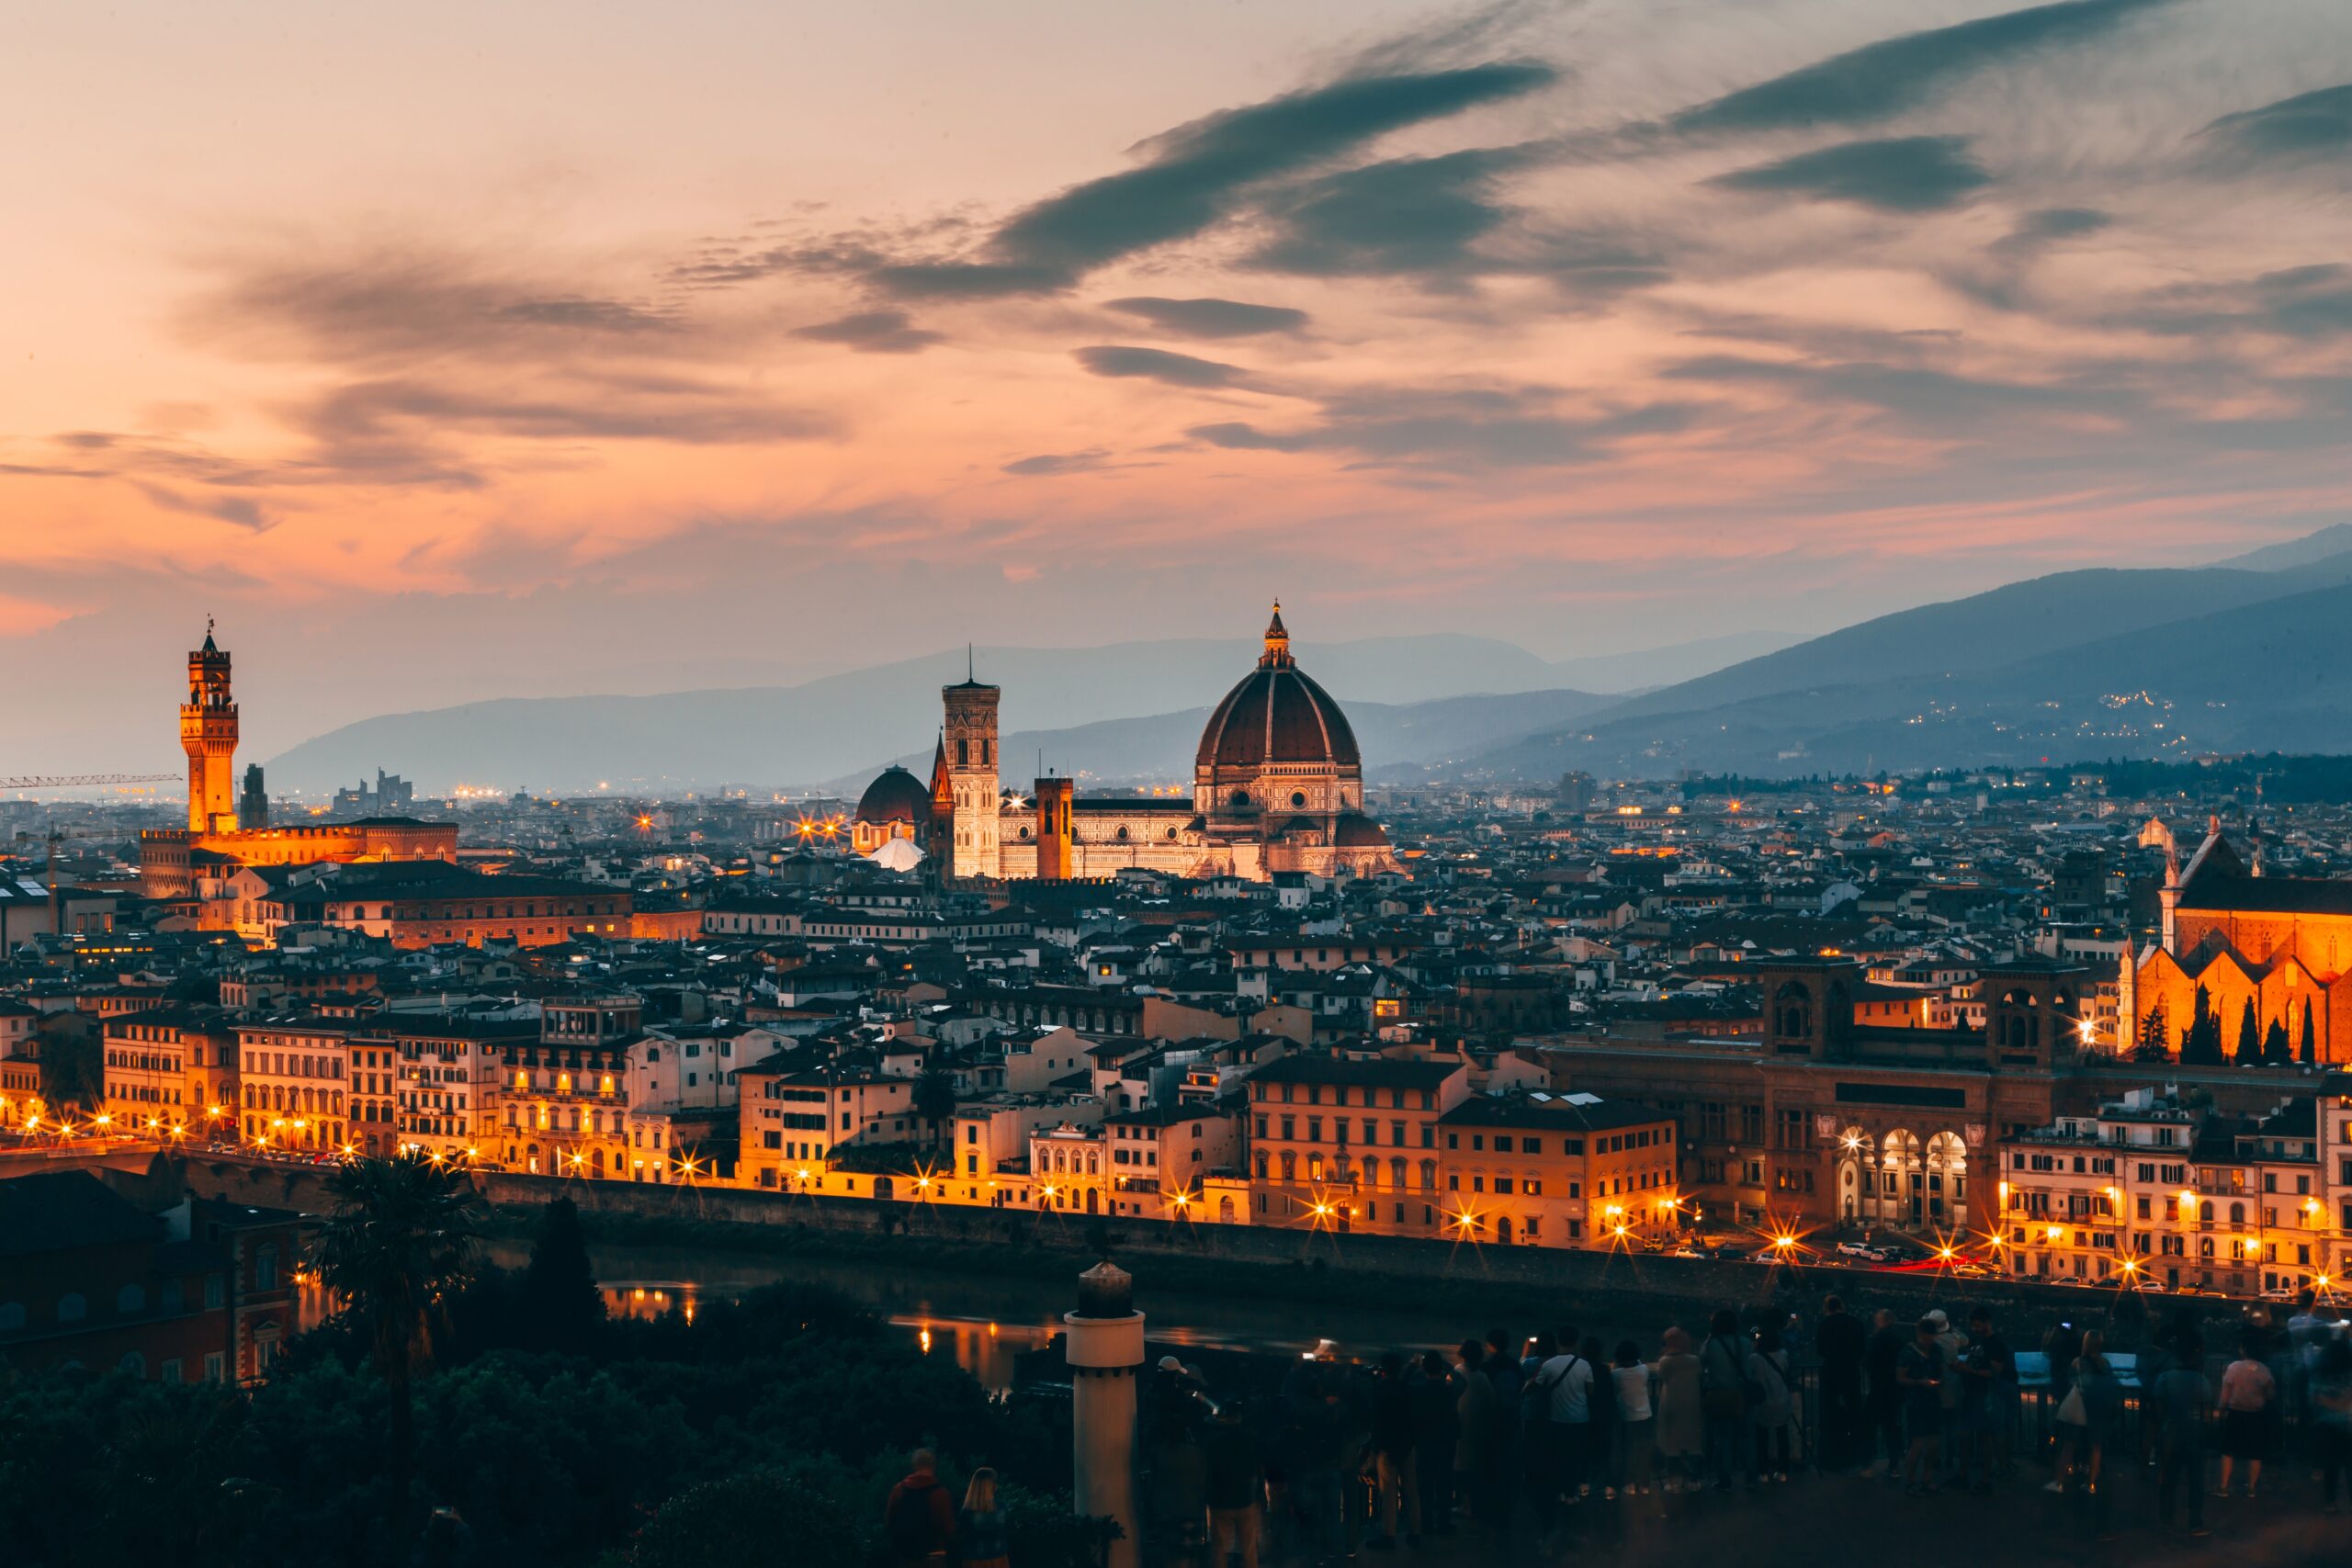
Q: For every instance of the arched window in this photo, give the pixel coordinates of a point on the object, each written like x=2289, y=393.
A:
x=1793, y=1009
x=134, y=1364
x=130, y=1298
x=1241, y=797
x=1429, y=1175
x=2237, y=1214
x=71, y=1307
x=963, y=752
x=1290, y=1166
x=1314, y=1168
x=2205, y=1210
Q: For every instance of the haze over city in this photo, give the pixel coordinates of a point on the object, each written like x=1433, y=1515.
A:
x=639, y=351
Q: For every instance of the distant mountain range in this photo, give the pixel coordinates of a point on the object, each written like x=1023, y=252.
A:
x=798, y=737
x=2078, y=665
x=2244, y=655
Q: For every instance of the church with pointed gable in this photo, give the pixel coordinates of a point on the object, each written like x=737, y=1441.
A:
x=1277, y=786
x=2273, y=955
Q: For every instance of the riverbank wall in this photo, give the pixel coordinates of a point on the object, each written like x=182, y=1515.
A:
x=1471, y=1285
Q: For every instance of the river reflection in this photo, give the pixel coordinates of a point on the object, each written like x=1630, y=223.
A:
x=985, y=1321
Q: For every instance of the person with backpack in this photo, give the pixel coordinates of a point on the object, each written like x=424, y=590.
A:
x=1771, y=1407
x=1723, y=1384
x=919, y=1517
x=1566, y=1382
x=979, y=1524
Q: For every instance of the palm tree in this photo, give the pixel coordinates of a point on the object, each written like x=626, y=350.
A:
x=398, y=1245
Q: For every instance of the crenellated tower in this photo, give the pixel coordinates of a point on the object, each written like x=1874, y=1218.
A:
x=208, y=735
x=969, y=747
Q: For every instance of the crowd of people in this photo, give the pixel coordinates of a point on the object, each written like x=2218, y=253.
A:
x=1530, y=1438
x=1527, y=1439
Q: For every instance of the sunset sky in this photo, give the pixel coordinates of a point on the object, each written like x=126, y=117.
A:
x=451, y=351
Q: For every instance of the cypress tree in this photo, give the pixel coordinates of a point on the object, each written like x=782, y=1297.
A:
x=561, y=1307
x=2310, y=1038
x=2249, y=1049
x=2275, y=1052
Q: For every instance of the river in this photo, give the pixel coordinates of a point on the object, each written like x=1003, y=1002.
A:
x=984, y=1321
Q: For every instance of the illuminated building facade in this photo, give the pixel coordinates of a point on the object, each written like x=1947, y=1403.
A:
x=1277, y=786
x=2280, y=946
x=292, y=1083
x=564, y=1096
x=192, y=863
x=171, y=1073
x=2148, y=1191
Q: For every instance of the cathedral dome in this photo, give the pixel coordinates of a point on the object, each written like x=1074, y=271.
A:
x=1277, y=716
x=894, y=796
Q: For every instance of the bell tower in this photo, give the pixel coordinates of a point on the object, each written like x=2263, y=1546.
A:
x=969, y=748
x=208, y=735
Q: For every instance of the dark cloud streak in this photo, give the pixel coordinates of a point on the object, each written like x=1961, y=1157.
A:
x=1882, y=80
x=1903, y=174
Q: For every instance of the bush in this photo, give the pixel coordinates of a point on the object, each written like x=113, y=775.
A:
x=764, y=1515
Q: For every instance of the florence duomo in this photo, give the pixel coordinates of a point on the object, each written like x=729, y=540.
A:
x=1277, y=786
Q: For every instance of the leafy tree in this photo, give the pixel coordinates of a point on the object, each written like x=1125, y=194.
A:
x=399, y=1241
x=748, y=1518
x=2274, y=1049
x=2311, y=1037
x=559, y=1306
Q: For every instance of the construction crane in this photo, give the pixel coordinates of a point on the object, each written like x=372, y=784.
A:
x=85, y=780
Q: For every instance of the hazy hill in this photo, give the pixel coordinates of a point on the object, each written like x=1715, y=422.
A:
x=824, y=728
x=2252, y=676
x=2335, y=539
x=1987, y=630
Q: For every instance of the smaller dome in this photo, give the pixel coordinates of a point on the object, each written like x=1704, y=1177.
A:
x=894, y=796
x=898, y=854
x=1359, y=832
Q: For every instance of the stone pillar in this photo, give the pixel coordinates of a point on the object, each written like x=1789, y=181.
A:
x=1105, y=1349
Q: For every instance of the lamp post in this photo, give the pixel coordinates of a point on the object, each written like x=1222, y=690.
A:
x=1105, y=1349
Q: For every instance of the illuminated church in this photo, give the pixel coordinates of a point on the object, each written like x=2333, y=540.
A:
x=1277, y=786
x=2281, y=945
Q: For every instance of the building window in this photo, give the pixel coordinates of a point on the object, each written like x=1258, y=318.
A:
x=130, y=1298
x=71, y=1307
